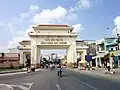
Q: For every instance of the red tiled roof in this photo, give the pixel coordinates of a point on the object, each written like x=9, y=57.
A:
x=55, y=25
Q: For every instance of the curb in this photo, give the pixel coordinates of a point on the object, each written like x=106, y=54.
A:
x=13, y=71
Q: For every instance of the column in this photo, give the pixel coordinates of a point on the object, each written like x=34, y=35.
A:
x=100, y=61
x=96, y=61
x=74, y=52
x=38, y=57
x=84, y=54
x=24, y=58
x=71, y=54
x=33, y=55
x=111, y=62
x=78, y=54
x=21, y=58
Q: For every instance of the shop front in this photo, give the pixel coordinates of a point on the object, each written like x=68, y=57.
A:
x=114, y=59
x=118, y=52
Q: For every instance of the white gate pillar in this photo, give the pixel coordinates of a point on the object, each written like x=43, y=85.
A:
x=21, y=58
x=35, y=56
x=71, y=54
x=96, y=61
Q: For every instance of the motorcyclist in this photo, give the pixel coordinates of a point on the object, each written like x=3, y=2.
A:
x=59, y=70
x=52, y=66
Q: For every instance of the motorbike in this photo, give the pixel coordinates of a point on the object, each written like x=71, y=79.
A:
x=52, y=67
x=60, y=72
x=32, y=68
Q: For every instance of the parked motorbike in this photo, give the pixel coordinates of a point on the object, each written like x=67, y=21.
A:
x=32, y=68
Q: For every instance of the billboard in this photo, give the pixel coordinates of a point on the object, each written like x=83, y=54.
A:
x=88, y=58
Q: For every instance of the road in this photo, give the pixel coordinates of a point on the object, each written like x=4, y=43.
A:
x=48, y=80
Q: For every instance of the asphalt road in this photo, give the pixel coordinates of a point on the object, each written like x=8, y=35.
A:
x=48, y=80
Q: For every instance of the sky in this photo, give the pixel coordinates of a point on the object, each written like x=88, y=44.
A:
x=91, y=19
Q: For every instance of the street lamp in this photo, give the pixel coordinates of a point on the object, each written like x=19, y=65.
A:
x=118, y=36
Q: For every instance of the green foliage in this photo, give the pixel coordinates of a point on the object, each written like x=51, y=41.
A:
x=21, y=66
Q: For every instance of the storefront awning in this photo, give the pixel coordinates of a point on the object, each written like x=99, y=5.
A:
x=99, y=56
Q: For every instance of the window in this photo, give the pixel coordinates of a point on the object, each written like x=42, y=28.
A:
x=111, y=49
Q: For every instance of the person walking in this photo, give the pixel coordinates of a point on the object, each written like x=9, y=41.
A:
x=108, y=66
x=28, y=64
x=105, y=65
x=60, y=70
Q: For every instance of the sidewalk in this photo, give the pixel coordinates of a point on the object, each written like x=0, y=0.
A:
x=24, y=70
x=99, y=72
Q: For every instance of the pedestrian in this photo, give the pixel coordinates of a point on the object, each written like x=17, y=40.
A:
x=108, y=66
x=105, y=65
x=28, y=64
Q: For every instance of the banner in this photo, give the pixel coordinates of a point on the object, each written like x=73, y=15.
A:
x=114, y=53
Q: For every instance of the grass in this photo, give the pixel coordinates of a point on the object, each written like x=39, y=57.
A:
x=8, y=69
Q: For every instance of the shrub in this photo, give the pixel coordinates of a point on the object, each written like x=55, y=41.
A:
x=11, y=66
x=21, y=66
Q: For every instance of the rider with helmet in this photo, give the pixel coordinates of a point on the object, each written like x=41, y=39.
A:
x=60, y=70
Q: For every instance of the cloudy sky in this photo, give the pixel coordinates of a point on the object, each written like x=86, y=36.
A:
x=90, y=18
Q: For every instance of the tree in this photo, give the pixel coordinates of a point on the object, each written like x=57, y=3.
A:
x=3, y=54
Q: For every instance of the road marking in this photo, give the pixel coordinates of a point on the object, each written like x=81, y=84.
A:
x=85, y=83
x=9, y=87
x=30, y=84
x=58, y=87
x=23, y=87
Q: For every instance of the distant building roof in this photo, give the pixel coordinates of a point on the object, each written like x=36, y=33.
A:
x=110, y=37
x=54, y=25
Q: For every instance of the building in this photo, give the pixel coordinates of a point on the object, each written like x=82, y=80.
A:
x=106, y=46
x=49, y=37
x=91, y=52
x=9, y=59
x=52, y=37
x=81, y=49
x=113, y=48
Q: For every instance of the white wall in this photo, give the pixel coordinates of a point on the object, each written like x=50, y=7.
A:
x=53, y=31
x=38, y=40
x=13, y=50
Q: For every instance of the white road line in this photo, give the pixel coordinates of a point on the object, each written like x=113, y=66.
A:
x=10, y=87
x=58, y=87
x=21, y=87
x=85, y=83
x=30, y=84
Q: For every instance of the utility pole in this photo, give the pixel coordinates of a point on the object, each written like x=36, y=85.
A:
x=118, y=36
